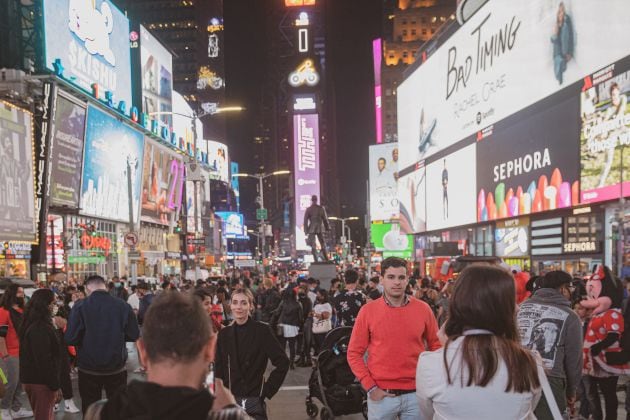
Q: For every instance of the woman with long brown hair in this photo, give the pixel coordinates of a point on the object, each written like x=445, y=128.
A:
x=482, y=372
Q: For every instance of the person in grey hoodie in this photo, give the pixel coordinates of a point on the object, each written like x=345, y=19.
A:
x=548, y=325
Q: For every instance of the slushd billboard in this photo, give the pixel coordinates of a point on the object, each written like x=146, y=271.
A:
x=508, y=56
x=17, y=190
x=109, y=145
x=605, y=131
x=450, y=190
x=89, y=40
x=305, y=170
x=529, y=162
x=390, y=241
x=384, y=182
x=162, y=184
x=66, y=152
x=157, y=76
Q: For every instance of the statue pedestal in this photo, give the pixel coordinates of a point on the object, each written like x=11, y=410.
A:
x=324, y=272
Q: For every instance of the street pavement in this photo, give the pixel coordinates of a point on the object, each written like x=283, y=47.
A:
x=288, y=404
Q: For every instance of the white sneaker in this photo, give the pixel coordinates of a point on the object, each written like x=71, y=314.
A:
x=56, y=408
x=21, y=413
x=70, y=407
x=5, y=414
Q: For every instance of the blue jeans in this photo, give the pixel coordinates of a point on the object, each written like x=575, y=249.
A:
x=404, y=407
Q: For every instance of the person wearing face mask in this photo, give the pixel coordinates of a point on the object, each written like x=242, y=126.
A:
x=60, y=320
x=119, y=290
x=244, y=349
x=305, y=338
x=40, y=356
x=11, y=314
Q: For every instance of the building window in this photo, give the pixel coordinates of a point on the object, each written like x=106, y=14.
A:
x=404, y=32
x=424, y=31
x=404, y=22
x=405, y=54
x=414, y=32
x=432, y=30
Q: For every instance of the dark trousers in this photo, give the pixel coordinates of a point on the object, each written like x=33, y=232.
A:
x=559, y=389
x=292, y=342
x=91, y=387
x=319, y=340
x=322, y=244
x=42, y=400
x=608, y=388
x=64, y=375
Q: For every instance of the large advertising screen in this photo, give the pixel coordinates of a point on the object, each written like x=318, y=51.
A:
x=605, y=133
x=194, y=207
x=412, y=189
x=88, y=41
x=157, y=76
x=508, y=56
x=182, y=124
x=235, y=184
x=450, y=190
x=233, y=225
x=109, y=147
x=383, y=182
x=218, y=161
x=17, y=191
x=162, y=184
x=529, y=162
x=306, y=170
x=390, y=241
x=377, y=55
x=66, y=152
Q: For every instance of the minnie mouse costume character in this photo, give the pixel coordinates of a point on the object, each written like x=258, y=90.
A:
x=604, y=358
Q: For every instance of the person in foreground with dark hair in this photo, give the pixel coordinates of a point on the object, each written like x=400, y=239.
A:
x=11, y=313
x=548, y=325
x=244, y=348
x=100, y=325
x=393, y=330
x=177, y=348
x=40, y=355
x=482, y=372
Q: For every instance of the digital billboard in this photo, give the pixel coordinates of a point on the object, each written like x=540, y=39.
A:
x=194, y=207
x=17, y=190
x=384, y=182
x=605, y=132
x=233, y=225
x=390, y=241
x=412, y=188
x=450, y=190
x=512, y=238
x=109, y=147
x=157, y=76
x=506, y=57
x=66, y=152
x=529, y=162
x=218, y=161
x=162, y=184
x=306, y=170
x=182, y=124
x=88, y=42
x=235, y=184
x=377, y=55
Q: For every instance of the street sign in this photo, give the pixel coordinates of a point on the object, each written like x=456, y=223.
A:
x=131, y=239
x=261, y=214
x=133, y=255
x=244, y=263
x=343, y=240
x=196, y=241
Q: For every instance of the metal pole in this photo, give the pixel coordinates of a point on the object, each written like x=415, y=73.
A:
x=133, y=262
x=368, y=253
x=262, y=206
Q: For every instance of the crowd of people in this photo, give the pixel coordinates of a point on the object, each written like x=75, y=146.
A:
x=491, y=343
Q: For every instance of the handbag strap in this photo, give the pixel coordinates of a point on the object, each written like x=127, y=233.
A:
x=551, y=400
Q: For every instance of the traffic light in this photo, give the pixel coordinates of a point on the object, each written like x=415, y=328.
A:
x=178, y=228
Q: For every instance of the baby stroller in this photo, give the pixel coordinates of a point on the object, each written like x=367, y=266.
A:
x=332, y=382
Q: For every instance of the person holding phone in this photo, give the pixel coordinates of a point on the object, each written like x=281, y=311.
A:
x=244, y=349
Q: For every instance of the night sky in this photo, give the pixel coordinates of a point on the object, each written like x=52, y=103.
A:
x=352, y=25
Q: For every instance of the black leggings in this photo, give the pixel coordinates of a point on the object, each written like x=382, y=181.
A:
x=608, y=388
x=292, y=343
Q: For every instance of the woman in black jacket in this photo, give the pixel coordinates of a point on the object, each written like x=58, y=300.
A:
x=290, y=318
x=40, y=356
x=243, y=350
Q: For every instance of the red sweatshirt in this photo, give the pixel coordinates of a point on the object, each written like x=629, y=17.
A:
x=393, y=337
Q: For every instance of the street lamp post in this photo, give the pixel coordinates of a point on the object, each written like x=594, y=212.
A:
x=260, y=177
x=343, y=221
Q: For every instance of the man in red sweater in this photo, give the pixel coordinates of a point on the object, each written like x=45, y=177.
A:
x=393, y=331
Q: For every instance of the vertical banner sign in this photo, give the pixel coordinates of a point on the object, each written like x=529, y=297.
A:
x=377, y=53
x=384, y=182
x=17, y=189
x=306, y=170
x=66, y=152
